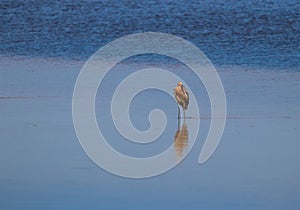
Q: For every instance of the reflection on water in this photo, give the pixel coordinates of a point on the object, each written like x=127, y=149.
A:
x=181, y=140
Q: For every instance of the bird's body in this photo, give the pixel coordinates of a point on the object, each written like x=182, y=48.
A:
x=182, y=97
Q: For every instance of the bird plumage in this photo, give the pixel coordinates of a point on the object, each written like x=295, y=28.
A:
x=181, y=95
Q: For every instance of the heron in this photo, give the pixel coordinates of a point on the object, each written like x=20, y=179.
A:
x=182, y=97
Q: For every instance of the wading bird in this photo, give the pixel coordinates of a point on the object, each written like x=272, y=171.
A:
x=182, y=97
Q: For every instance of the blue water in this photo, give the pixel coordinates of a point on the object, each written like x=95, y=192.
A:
x=44, y=45
x=252, y=33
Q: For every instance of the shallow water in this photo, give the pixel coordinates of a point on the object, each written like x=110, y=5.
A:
x=255, y=46
x=44, y=166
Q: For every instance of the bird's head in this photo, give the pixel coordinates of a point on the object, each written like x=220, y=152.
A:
x=179, y=83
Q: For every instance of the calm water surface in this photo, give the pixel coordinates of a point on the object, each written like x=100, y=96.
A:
x=255, y=45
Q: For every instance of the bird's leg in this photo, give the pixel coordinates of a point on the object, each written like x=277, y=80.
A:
x=178, y=124
x=183, y=114
x=178, y=112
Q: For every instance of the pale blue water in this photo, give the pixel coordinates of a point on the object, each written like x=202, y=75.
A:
x=256, y=48
x=43, y=166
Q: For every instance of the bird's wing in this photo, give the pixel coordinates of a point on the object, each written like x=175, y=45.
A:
x=187, y=94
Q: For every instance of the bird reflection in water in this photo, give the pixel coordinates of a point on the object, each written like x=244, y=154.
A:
x=181, y=140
